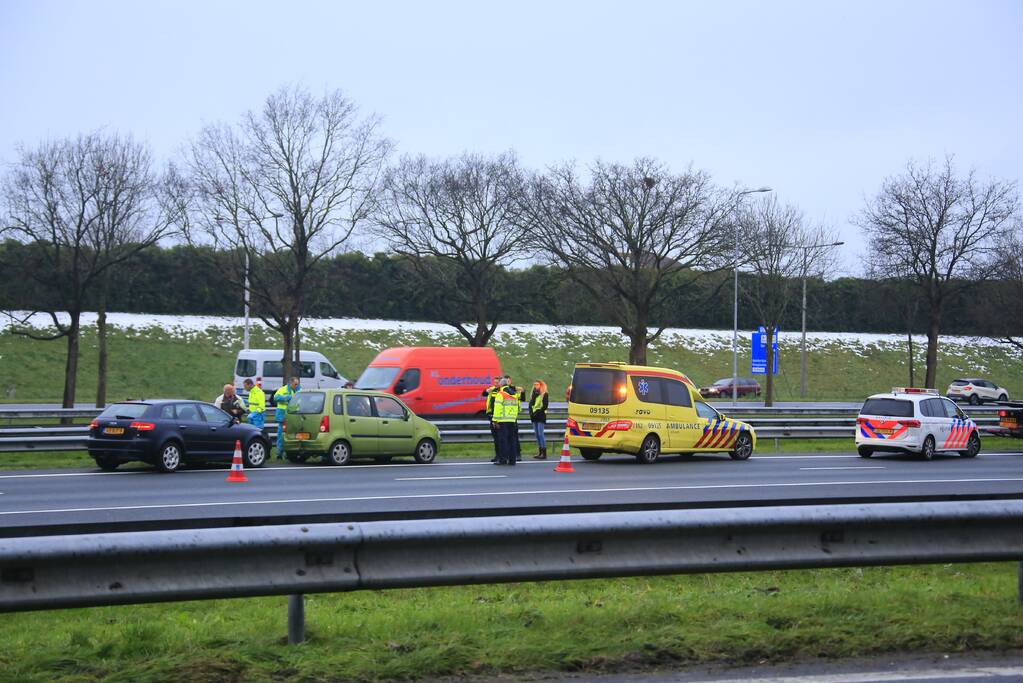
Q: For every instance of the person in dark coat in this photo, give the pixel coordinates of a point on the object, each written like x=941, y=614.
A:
x=538, y=402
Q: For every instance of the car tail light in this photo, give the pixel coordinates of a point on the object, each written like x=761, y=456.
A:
x=284, y=425
x=909, y=423
x=1001, y=413
x=95, y=424
x=967, y=387
x=862, y=420
x=571, y=424
x=619, y=426
x=325, y=424
x=143, y=426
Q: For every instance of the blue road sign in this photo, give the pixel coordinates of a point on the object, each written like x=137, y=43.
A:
x=758, y=366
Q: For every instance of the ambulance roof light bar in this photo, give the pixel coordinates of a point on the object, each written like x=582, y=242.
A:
x=914, y=390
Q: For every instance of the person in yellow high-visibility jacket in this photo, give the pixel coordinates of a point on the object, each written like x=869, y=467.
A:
x=284, y=400
x=257, y=402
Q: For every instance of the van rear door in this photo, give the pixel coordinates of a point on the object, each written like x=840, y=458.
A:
x=597, y=394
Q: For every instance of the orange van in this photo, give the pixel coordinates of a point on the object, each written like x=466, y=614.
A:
x=434, y=380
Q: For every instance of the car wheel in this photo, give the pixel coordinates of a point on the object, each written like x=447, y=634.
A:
x=340, y=453
x=255, y=453
x=927, y=452
x=743, y=448
x=865, y=452
x=106, y=464
x=590, y=454
x=974, y=400
x=650, y=450
x=972, y=447
x=1003, y=397
x=169, y=458
x=426, y=451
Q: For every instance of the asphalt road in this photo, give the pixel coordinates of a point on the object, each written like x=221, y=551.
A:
x=76, y=501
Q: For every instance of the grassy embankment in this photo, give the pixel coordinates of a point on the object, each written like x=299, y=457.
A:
x=567, y=626
x=604, y=625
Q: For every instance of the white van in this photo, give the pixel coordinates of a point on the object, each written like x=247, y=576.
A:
x=315, y=371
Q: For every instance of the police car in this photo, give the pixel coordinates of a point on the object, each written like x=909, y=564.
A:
x=918, y=421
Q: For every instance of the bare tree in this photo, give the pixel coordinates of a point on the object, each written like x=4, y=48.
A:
x=1004, y=298
x=628, y=236
x=88, y=204
x=940, y=232
x=455, y=222
x=778, y=250
x=280, y=191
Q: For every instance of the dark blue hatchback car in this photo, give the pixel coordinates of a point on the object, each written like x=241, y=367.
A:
x=168, y=434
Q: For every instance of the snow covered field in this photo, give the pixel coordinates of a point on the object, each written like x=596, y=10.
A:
x=191, y=326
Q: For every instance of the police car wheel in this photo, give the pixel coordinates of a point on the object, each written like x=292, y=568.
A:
x=927, y=451
x=974, y=400
x=340, y=453
x=589, y=454
x=743, y=447
x=972, y=447
x=865, y=452
x=426, y=451
x=650, y=450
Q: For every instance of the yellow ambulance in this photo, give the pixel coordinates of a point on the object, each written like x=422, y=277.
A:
x=646, y=411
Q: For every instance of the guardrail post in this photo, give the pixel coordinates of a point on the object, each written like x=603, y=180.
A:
x=296, y=619
x=1020, y=580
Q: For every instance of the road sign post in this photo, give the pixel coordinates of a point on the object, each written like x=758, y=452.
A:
x=758, y=363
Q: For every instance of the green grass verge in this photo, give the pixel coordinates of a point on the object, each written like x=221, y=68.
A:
x=605, y=625
x=159, y=363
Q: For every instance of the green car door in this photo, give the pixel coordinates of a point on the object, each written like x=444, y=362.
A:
x=396, y=429
x=362, y=425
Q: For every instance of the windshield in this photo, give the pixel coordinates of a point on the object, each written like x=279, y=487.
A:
x=723, y=382
x=961, y=382
x=125, y=411
x=598, y=386
x=887, y=407
x=376, y=378
x=310, y=402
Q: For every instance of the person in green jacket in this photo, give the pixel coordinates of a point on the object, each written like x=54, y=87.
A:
x=284, y=400
x=257, y=402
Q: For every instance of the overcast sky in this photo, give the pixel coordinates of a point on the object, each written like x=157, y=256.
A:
x=818, y=100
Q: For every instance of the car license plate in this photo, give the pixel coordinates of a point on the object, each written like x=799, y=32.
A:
x=113, y=430
x=1008, y=423
x=592, y=426
x=884, y=430
x=302, y=436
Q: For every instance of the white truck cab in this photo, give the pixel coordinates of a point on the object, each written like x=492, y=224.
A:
x=314, y=370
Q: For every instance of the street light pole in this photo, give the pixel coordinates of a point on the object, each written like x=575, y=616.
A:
x=735, y=300
x=802, y=343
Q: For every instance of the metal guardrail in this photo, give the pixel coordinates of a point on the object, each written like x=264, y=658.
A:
x=463, y=430
x=138, y=567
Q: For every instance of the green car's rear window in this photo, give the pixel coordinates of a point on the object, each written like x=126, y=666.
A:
x=310, y=402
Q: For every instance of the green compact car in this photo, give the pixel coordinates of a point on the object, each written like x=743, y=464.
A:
x=340, y=424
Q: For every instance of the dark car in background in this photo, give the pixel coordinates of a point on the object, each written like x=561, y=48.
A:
x=744, y=386
x=169, y=434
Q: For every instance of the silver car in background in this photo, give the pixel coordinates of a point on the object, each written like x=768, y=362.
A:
x=976, y=391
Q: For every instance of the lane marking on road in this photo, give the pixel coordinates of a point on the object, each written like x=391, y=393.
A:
x=970, y=672
x=851, y=467
x=483, y=494
x=466, y=476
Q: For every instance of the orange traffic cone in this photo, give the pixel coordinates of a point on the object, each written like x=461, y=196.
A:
x=237, y=468
x=565, y=464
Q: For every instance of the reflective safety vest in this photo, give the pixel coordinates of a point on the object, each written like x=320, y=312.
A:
x=257, y=400
x=509, y=406
x=537, y=403
x=496, y=400
x=283, y=398
x=490, y=400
